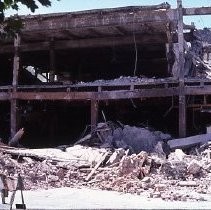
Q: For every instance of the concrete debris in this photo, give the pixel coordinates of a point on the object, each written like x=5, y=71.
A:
x=76, y=156
x=180, y=154
x=198, y=63
x=123, y=80
x=180, y=177
x=203, y=35
x=194, y=167
x=136, y=139
x=189, y=141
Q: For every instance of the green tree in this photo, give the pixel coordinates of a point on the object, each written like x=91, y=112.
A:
x=9, y=26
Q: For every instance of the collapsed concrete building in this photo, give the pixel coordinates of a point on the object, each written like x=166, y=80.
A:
x=136, y=65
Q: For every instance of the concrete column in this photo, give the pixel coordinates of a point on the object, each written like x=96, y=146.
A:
x=13, y=101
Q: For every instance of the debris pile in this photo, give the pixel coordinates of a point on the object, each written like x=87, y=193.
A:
x=136, y=139
x=198, y=62
x=125, y=80
x=180, y=177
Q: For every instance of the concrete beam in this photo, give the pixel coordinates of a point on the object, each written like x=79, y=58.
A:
x=189, y=141
x=87, y=43
x=197, y=11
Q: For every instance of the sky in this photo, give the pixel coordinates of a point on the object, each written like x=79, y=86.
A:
x=78, y=5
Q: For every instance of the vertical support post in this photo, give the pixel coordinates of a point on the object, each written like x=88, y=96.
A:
x=94, y=113
x=182, y=116
x=13, y=101
x=182, y=97
x=170, y=50
x=13, y=117
x=52, y=61
x=16, y=62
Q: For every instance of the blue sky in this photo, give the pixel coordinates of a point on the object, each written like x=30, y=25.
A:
x=78, y=5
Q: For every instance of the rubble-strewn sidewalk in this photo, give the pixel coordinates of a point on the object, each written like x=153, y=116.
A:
x=116, y=157
x=179, y=177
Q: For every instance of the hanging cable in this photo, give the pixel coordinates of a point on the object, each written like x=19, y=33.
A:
x=136, y=54
x=136, y=49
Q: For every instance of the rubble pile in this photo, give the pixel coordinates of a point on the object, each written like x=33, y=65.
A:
x=180, y=177
x=124, y=80
x=38, y=174
x=47, y=168
x=197, y=53
x=136, y=139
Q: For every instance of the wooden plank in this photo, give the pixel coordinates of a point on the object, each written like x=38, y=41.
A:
x=96, y=166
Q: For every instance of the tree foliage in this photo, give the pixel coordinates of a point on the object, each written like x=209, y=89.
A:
x=10, y=26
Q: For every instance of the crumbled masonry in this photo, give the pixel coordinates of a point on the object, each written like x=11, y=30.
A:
x=103, y=68
x=180, y=177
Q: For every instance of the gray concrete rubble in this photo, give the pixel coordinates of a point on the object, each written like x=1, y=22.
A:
x=125, y=80
x=197, y=59
x=136, y=139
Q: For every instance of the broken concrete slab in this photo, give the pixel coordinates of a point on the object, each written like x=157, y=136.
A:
x=136, y=139
x=188, y=142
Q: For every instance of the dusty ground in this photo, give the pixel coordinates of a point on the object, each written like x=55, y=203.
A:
x=73, y=198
